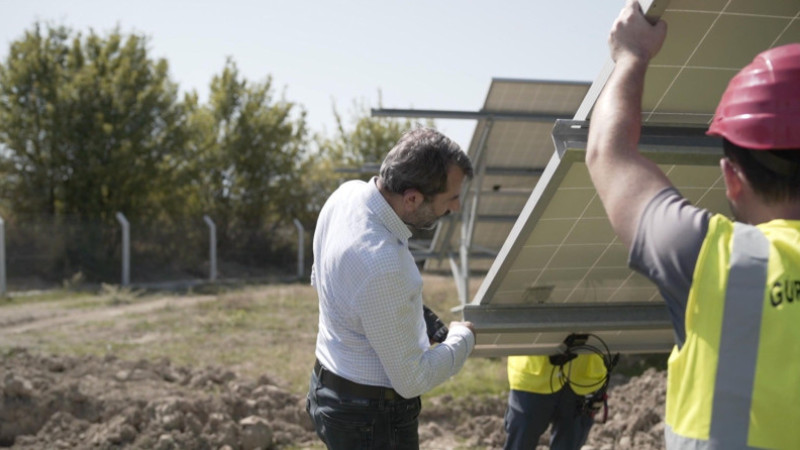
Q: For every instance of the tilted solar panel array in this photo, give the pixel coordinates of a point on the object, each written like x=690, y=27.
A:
x=509, y=162
x=561, y=269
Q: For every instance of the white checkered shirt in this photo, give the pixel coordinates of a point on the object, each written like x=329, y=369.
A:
x=371, y=328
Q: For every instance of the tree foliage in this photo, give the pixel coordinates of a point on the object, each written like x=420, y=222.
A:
x=92, y=125
x=368, y=139
x=87, y=125
x=249, y=150
x=355, y=151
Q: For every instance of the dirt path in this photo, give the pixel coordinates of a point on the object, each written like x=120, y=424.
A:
x=18, y=319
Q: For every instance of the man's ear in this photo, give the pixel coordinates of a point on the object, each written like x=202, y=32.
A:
x=733, y=179
x=412, y=198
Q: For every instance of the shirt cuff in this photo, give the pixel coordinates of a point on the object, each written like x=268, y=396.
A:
x=465, y=333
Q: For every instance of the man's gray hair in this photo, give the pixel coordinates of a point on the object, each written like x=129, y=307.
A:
x=420, y=160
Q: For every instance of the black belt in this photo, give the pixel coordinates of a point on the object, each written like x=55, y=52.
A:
x=345, y=386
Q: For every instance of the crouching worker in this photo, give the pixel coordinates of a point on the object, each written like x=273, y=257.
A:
x=562, y=393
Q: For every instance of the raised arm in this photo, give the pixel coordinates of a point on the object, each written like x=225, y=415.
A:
x=624, y=179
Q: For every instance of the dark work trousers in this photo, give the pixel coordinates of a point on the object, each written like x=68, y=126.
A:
x=529, y=414
x=349, y=423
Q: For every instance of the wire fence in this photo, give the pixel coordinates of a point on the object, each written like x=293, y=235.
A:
x=42, y=252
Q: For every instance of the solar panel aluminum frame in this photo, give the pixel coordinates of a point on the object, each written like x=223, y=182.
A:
x=610, y=322
x=662, y=144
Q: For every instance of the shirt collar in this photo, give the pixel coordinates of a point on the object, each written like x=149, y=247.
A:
x=385, y=213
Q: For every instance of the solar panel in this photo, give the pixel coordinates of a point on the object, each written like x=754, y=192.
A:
x=561, y=269
x=562, y=256
x=707, y=43
x=509, y=155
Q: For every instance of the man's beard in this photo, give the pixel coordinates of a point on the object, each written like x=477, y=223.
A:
x=424, y=218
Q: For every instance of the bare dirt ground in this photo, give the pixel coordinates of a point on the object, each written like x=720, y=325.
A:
x=52, y=401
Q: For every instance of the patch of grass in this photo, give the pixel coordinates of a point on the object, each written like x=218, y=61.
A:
x=85, y=303
x=61, y=343
x=21, y=298
x=119, y=295
x=144, y=326
x=479, y=376
x=254, y=331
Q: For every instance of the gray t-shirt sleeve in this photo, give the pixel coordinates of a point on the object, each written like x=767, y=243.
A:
x=665, y=250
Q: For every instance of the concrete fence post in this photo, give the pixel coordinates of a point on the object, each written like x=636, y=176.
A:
x=300, y=247
x=2, y=257
x=126, y=249
x=212, y=248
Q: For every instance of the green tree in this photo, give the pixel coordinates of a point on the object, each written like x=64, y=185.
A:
x=249, y=149
x=354, y=152
x=87, y=125
x=366, y=141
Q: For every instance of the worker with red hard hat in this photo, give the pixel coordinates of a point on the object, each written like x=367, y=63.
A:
x=732, y=287
x=760, y=109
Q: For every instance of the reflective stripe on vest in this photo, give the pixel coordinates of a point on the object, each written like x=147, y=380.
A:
x=738, y=348
x=675, y=441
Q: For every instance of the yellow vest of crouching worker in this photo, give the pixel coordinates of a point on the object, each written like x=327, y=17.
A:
x=735, y=383
x=535, y=374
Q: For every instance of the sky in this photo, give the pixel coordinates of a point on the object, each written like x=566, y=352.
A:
x=409, y=54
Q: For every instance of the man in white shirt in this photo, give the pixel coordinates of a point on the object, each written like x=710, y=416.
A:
x=374, y=357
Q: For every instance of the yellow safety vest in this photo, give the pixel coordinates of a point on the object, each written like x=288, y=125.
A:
x=735, y=383
x=535, y=374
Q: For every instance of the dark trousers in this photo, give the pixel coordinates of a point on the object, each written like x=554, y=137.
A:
x=346, y=422
x=529, y=414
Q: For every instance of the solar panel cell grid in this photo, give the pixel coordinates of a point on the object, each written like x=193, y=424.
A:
x=562, y=250
x=517, y=150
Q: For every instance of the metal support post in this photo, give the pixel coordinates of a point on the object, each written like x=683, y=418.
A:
x=126, y=249
x=461, y=282
x=212, y=248
x=469, y=214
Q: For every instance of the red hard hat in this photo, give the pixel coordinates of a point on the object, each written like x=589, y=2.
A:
x=760, y=109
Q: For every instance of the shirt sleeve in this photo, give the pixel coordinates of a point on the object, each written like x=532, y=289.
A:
x=665, y=249
x=391, y=315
